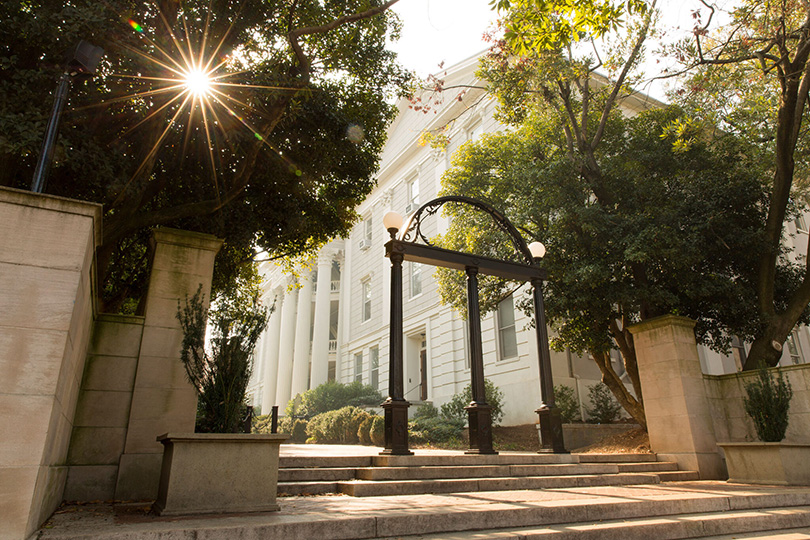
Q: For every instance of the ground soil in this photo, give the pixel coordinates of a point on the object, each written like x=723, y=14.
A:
x=525, y=438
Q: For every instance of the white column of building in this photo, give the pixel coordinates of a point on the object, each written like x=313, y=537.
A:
x=286, y=346
x=320, y=328
x=300, y=370
x=344, y=315
x=270, y=355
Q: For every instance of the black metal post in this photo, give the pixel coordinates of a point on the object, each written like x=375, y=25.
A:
x=551, y=434
x=51, y=133
x=274, y=419
x=395, y=407
x=479, y=411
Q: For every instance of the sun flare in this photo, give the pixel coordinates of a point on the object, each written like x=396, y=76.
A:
x=198, y=82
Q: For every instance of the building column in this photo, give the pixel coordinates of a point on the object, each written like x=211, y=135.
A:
x=344, y=305
x=300, y=372
x=270, y=355
x=320, y=329
x=286, y=346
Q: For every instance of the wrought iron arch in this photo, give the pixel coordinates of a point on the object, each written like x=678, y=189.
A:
x=413, y=229
x=405, y=248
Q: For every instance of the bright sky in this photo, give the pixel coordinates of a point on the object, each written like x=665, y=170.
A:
x=440, y=30
x=451, y=31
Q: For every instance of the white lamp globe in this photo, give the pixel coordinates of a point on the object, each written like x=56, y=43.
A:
x=538, y=250
x=392, y=220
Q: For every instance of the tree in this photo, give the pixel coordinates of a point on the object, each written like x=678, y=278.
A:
x=668, y=239
x=278, y=155
x=752, y=78
x=220, y=376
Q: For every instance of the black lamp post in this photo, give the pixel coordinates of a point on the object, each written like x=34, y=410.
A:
x=81, y=62
x=395, y=407
x=551, y=434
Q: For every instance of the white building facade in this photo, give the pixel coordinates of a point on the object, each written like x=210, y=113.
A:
x=332, y=322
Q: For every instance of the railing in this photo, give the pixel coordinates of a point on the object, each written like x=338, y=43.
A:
x=334, y=286
x=332, y=346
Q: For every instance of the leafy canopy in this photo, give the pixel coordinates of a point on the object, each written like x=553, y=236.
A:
x=276, y=156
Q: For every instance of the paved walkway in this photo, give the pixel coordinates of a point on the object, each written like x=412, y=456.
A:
x=341, y=516
x=344, y=517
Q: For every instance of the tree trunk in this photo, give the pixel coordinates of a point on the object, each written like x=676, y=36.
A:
x=763, y=350
x=634, y=407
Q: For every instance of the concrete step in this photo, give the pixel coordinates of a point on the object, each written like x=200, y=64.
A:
x=648, y=466
x=321, y=474
x=378, y=488
x=678, y=476
x=301, y=462
x=615, y=458
x=484, y=471
x=288, y=489
x=763, y=523
x=472, y=460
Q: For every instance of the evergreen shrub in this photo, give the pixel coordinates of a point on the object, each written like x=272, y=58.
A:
x=377, y=433
x=336, y=427
x=605, y=409
x=566, y=400
x=454, y=409
x=768, y=403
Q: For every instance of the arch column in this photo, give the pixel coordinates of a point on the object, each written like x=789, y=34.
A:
x=270, y=355
x=286, y=346
x=320, y=328
x=300, y=370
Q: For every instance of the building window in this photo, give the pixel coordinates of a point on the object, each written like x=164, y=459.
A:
x=801, y=225
x=794, y=349
x=738, y=352
x=413, y=195
x=366, y=301
x=374, y=367
x=475, y=132
x=416, y=279
x=507, y=339
x=368, y=227
x=358, y=367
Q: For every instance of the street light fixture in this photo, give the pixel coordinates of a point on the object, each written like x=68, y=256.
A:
x=392, y=221
x=81, y=61
x=538, y=250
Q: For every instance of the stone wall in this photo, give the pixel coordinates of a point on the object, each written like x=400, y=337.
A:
x=102, y=414
x=731, y=424
x=46, y=311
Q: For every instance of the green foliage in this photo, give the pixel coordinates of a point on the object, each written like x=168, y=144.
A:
x=435, y=429
x=336, y=427
x=537, y=25
x=377, y=432
x=604, y=409
x=767, y=403
x=294, y=428
x=662, y=235
x=333, y=395
x=364, y=431
x=454, y=409
x=566, y=400
x=283, y=171
x=221, y=376
x=426, y=410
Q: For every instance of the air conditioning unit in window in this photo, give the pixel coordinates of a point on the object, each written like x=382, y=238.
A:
x=410, y=207
x=365, y=243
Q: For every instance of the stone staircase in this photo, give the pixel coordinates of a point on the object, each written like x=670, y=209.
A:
x=374, y=476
